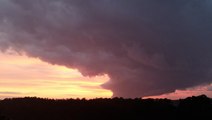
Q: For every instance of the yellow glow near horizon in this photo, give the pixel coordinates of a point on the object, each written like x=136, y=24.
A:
x=23, y=76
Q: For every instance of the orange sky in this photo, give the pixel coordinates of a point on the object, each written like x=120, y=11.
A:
x=23, y=76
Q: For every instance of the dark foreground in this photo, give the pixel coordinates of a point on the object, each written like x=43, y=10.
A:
x=105, y=109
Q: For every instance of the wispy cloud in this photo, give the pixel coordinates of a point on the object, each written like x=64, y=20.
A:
x=9, y=93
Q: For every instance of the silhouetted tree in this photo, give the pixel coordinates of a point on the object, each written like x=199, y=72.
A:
x=104, y=108
x=2, y=117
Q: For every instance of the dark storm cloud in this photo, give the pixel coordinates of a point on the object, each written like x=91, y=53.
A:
x=147, y=47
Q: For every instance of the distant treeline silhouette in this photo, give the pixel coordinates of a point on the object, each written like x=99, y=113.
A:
x=32, y=108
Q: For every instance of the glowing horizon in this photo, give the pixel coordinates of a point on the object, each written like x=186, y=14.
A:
x=22, y=76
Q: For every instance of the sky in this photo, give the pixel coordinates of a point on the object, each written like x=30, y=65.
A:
x=21, y=76
x=138, y=48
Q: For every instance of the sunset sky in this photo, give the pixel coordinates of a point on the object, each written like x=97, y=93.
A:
x=105, y=48
x=22, y=76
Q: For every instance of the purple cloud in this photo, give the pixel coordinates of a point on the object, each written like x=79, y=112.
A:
x=147, y=47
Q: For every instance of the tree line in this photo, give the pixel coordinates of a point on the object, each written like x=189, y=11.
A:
x=32, y=108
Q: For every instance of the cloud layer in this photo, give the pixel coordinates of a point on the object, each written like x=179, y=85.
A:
x=147, y=47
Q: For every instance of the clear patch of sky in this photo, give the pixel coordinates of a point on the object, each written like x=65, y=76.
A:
x=33, y=77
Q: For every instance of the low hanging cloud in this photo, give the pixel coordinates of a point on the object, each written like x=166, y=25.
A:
x=147, y=47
